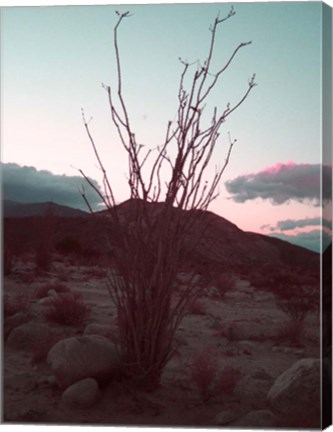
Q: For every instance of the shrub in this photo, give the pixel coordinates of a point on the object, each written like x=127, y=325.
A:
x=43, y=253
x=292, y=331
x=223, y=283
x=296, y=295
x=42, y=291
x=204, y=369
x=67, y=309
x=227, y=380
x=225, y=331
x=8, y=261
x=151, y=238
x=69, y=245
x=197, y=307
x=209, y=379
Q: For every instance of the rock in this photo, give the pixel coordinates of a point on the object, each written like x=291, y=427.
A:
x=28, y=335
x=45, y=301
x=295, y=394
x=76, y=358
x=98, y=329
x=46, y=381
x=82, y=394
x=262, y=296
x=52, y=293
x=253, y=392
x=14, y=321
x=261, y=374
x=246, y=347
x=225, y=417
x=258, y=419
x=298, y=352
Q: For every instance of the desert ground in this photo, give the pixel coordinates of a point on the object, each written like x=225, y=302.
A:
x=230, y=349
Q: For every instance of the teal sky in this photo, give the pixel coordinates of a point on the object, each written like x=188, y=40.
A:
x=54, y=60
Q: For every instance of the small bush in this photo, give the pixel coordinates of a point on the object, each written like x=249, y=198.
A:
x=296, y=295
x=67, y=309
x=43, y=258
x=197, y=307
x=291, y=331
x=209, y=379
x=42, y=291
x=44, y=248
x=225, y=331
x=223, y=283
x=204, y=369
x=8, y=262
x=227, y=380
x=69, y=246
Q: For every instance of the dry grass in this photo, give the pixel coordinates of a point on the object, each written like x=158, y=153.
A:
x=204, y=370
x=67, y=309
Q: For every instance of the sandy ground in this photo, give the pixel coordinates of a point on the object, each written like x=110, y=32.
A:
x=238, y=331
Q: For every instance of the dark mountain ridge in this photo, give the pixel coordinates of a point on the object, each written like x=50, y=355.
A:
x=222, y=244
x=19, y=209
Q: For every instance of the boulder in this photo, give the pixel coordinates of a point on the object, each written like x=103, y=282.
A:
x=258, y=419
x=76, y=358
x=98, y=329
x=29, y=335
x=295, y=394
x=82, y=394
x=14, y=321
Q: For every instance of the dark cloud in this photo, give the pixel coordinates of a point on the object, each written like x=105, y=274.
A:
x=27, y=184
x=309, y=240
x=290, y=224
x=283, y=183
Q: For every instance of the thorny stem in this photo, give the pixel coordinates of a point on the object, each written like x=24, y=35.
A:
x=150, y=245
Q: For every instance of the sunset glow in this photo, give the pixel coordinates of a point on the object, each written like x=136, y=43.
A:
x=274, y=167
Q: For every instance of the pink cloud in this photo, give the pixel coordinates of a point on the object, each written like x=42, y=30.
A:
x=282, y=183
x=278, y=167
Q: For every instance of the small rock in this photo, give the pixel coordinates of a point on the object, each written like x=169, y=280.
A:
x=47, y=381
x=98, y=329
x=298, y=352
x=258, y=419
x=82, y=394
x=262, y=375
x=52, y=293
x=14, y=321
x=45, y=301
x=225, y=417
x=254, y=391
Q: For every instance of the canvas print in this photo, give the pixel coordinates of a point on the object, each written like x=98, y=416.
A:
x=166, y=205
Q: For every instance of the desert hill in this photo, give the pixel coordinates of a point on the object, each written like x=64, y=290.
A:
x=17, y=209
x=223, y=244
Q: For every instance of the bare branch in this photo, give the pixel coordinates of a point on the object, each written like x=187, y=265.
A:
x=149, y=244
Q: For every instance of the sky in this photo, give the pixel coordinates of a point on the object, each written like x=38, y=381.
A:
x=54, y=60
